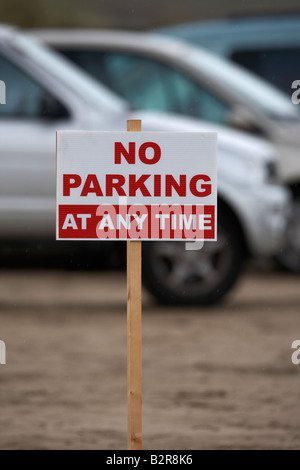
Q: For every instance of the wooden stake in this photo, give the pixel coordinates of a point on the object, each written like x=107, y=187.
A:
x=134, y=333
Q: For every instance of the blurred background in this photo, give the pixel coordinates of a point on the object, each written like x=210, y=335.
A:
x=133, y=14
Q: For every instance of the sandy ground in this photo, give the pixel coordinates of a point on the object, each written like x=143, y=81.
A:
x=213, y=378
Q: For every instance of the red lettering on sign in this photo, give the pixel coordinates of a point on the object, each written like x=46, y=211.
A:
x=180, y=187
x=134, y=185
x=206, y=187
x=91, y=185
x=129, y=155
x=70, y=181
x=157, y=185
x=115, y=182
x=156, y=155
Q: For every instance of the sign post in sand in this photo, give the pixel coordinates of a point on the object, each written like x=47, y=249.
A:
x=136, y=186
x=134, y=332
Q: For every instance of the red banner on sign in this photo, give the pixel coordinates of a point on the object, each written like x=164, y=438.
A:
x=137, y=221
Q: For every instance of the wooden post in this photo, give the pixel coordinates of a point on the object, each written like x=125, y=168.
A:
x=134, y=333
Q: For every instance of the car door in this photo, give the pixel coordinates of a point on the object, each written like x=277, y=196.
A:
x=28, y=123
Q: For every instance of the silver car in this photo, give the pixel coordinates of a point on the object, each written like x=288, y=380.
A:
x=45, y=93
x=156, y=72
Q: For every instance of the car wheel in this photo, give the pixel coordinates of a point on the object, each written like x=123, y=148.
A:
x=177, y=276
x=289, y=257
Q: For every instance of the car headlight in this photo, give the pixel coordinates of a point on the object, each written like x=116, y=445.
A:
x=247, y=170
x=261, y=172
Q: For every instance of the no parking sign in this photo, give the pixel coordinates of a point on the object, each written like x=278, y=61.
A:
x=141, y=186
x=136, y=186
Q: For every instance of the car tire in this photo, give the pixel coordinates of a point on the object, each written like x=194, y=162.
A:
x=176, y=276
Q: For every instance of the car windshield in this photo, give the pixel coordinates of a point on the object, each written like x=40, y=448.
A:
x=253, y=90
x=84, y=85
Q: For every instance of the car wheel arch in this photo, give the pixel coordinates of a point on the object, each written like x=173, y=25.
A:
x=226, y=208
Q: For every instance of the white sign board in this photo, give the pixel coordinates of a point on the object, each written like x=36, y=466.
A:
x=136, y=185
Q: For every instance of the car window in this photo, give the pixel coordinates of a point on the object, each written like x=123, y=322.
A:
x=275, y=65
x=25, y=98
x=149, y=84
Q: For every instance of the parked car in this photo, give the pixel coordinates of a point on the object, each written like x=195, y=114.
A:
x=46, y=93
x=154, y=72
x=267, y=46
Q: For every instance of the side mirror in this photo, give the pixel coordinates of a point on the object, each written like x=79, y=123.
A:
x=240, y=117
x=51, y=109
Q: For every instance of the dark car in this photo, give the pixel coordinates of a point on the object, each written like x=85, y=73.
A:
x=268, y=46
